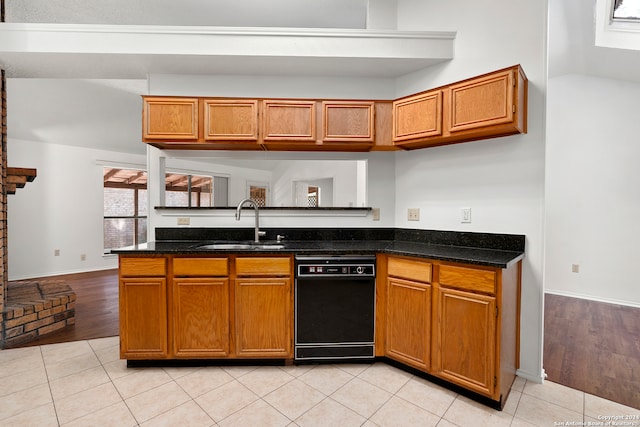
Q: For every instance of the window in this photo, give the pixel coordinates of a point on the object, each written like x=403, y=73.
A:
x=313, y=197
x=258, y=193
x=626, y=10
x=188, y=190
x=125, y=201
x=617, y=24
x=125, y=207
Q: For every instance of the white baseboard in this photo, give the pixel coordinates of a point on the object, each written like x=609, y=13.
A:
x=62, y=273
x=536, y=377
x=593, y=298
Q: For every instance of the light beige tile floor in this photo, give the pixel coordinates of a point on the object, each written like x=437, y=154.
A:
x=85, y=383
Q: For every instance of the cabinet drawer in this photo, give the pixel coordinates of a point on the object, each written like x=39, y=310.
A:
x=468, y=278
x=408, y=269
x=132, y=267
x=201, y=267
x=263, y=266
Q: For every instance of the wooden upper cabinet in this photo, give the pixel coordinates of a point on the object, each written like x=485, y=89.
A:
x=288, y=121
x=230, y=120
x=483, y=101
x=347, y=121
x=487, y=106
x=169, y=118
x=417, y=116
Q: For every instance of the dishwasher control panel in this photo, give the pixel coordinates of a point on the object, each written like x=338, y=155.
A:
x=336, y=270
x=336, y=266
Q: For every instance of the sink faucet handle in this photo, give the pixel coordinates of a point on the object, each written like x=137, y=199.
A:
x=262, y=233
x=280, y=237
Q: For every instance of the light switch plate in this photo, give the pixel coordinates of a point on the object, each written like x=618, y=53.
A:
x=183, y=221
x=413, y=214
x=465, y=215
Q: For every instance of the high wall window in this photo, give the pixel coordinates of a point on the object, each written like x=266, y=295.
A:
x=626, y=10
x=617, y=24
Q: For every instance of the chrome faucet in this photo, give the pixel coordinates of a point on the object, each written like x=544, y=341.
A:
x=258, y=233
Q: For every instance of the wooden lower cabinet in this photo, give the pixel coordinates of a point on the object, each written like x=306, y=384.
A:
x=143, y=307
x=408, y=312
x=206, y=307
x=200, y=317
x=466, y=333
x=456, y=322
x=143, y=318
x=263, y=317
x=409, y=322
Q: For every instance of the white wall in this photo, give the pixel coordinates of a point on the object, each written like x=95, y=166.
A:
x=501, y=180
x=592, y=196
x=343, y=174
x=61, y=209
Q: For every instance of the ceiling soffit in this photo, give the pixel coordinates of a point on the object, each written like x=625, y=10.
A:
x=135, y=51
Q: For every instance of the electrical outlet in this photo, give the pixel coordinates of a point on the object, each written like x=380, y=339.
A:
x=56, y=252
x=83, y=257
x=183, y=221
x=413, y=214
x=465, y=215
x=575, y=268
x=375, y=214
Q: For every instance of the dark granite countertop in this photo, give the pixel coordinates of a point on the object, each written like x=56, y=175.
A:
x=494, y=250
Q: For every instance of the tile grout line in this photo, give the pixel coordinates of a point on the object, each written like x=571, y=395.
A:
x=46, y=372
x=124, y=401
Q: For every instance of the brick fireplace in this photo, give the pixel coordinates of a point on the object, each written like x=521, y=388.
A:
x=28, y=308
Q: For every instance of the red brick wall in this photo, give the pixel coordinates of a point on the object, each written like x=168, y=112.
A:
x=3, y=199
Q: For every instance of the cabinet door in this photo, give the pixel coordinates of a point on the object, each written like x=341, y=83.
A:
x=143, y=318
x=408, y=335
x=170, y=118
x=467, y=340
x=231, y=120
x=263, y=316
x=484, y=101
x=201, y=317
x=418, y=116
x=347, y=121
x=289, y=121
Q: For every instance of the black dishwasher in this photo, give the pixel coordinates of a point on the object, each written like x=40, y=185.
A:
x=334, y=307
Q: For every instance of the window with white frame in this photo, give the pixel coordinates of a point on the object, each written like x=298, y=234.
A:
x=617, y=24
x=125, y=202
x=125, y=207
x=627, y=10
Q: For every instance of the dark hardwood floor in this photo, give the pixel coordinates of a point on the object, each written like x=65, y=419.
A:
x=588, y=345
x=96, y=308
x=593, y=347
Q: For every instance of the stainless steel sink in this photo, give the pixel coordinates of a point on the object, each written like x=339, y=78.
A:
x=240, y=246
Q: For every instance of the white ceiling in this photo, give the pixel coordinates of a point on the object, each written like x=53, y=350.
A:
x=223, y=13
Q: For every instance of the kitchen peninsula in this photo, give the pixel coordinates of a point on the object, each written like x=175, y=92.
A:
x=446, y=303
